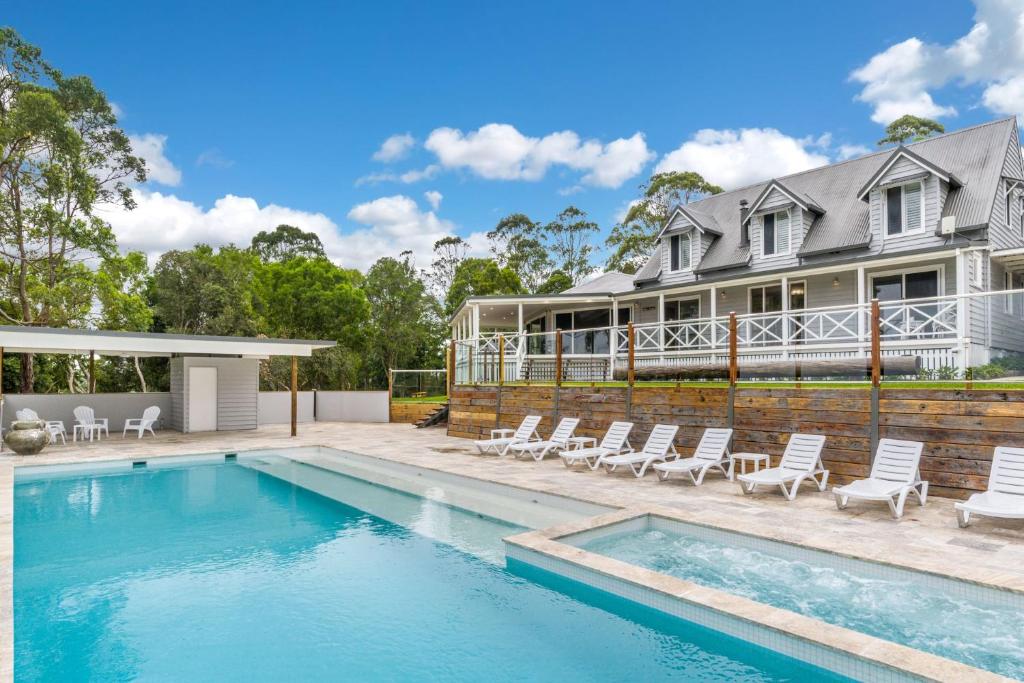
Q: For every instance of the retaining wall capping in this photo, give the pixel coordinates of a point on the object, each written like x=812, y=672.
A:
x=959, y=428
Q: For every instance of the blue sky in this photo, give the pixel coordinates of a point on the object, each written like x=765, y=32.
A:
x=250, y=115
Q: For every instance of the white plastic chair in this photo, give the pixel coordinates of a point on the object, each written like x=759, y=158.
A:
x=659, y=445
x=615, y=441
x=527, y=431
x=1005, y=495
x=894, y=474
x=88, y=423
x=559, y=440
x=143, y=424
x=54, y=427
x=802, y=460
x=711, y=453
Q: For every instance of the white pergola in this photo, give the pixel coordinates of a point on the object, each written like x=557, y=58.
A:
x=18, y=339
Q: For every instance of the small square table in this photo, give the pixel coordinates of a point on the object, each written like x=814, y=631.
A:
x=744, y=458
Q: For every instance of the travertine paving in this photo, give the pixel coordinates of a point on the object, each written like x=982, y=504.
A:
x=990, y=551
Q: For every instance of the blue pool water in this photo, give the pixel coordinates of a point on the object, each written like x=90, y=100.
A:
x=987, y=634
x=223, y=572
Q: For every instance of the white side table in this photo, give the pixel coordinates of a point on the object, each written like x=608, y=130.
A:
x=744, y=458
x=92, y=430
x=578, y=442
x=502, y=433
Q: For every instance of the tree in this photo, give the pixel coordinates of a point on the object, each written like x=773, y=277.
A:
x=405, y=328
x=449, y=252
x=632, y=240
x=62, y=157
x=205, y=292
x=569, y=238
x=556, y=283
x=910, y=127
x=121, y=287
x=480, y=277
x=515, y=243
x=286, y=242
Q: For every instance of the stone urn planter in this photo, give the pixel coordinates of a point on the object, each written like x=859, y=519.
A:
x=27, y=437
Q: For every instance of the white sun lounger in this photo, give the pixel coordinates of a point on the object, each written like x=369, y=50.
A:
x=802, y=460
x=1005, y=495
x=559, y=440
x=657, y=448
x=527, y=431
x=711, y=453
x=894, y=474
x=616, y=440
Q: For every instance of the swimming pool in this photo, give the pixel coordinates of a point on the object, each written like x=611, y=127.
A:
x=979, y=626
x=227, y=570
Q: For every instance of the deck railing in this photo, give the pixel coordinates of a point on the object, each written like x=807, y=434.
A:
x=937, y=329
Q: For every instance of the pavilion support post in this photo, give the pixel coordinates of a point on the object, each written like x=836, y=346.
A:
x=295, y=395
x=876, y=372
x=92, y=372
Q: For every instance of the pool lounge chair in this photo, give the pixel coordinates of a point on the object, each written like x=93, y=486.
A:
x=657, y=448
x=527, y=431
x=559, y=440
x=1005, y=495
x=142, y=424
x=711, y=453
x=894, y=474
x=615, y=441
x=800, y=461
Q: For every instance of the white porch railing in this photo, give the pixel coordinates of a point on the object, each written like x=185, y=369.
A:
x=937, y=329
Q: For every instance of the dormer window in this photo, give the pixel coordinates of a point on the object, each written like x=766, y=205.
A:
x=904, y=209
x=775, y=233
x=680, y=248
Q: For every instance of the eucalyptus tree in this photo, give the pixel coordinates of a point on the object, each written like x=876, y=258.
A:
x=286, y=242
x=569, y=239
x=62, y=159
x=517, y=243
x=910, y=127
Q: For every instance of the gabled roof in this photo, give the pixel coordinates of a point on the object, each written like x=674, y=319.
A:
x=704, y=221
x=799, y=198
x=902, y=152
x=974, y=156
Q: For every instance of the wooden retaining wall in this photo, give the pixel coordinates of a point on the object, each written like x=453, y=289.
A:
x=410, y=413
x=959, y=428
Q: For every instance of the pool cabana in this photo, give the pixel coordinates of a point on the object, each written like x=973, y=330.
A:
x=214, y=380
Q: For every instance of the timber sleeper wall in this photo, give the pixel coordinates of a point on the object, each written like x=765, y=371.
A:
x=959, y=428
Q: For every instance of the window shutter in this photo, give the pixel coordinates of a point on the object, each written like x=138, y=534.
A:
x=684, y=251
x=782, y=232
x=674, y=251
x=912, y=197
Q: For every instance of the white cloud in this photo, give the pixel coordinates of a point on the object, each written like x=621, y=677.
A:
x=394, y=148
x=413, y=176
x=433, y=198
x=498, y=151
x=897, y=80
x=213, y=157
x=159, y=169
x=852, y=151
x=734, y=158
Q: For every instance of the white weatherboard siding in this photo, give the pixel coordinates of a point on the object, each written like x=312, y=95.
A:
x=237, y=388
x=1007, y=328
x=680, y=225
x=1004, y=232
x=177, y=416
x=921, y=239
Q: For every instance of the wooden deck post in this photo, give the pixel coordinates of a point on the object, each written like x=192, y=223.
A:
x=733, y=357
x=295, y=395
x=630, y=354
x=558, y=358
x=876, y=374
x=391, y=390
x=92, y=372
x=501, y=360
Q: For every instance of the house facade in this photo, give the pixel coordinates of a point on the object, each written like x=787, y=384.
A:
x=934, y=230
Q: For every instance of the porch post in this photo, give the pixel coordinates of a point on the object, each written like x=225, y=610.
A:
x=519, y=319
x=962, y=333
x=861, y=313
x=476, y=321
x=613, y=340
x=295, y=394
x=713, y=293
x=785, y=317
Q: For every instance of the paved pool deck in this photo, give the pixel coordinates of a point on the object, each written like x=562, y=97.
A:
x=989, y=552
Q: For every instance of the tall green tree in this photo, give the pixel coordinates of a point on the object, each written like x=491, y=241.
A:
x=202, y=291
x=556, y=283
x=516, y=243
x=632, y=240
x=910, y=127
x=62, y=158
x=569, y=237
x=481, y=277
x=449, y=252
x=286, y=242
x=122, y=284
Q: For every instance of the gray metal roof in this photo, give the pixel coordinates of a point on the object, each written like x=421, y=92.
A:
x=973, y=155
x=607, y=283
x=650, y=270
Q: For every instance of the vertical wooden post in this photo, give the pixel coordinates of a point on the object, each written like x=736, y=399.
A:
x=92, y=372
x=501, y=360
x=631, y=354
x=295, y=395
x=391, y=390
x=876, y=344
x=558, y=358
x=733, y=356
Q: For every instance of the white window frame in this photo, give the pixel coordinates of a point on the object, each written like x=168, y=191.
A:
x=788, y=295
x=940, y=268
x=697, y=298
x=789, y=223
x=903, y=209
x=688, y=237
